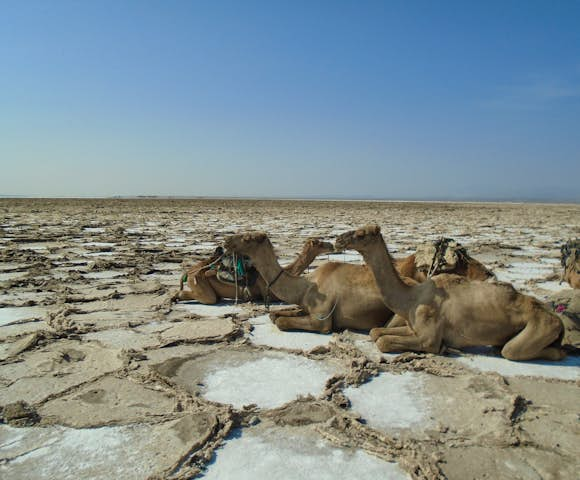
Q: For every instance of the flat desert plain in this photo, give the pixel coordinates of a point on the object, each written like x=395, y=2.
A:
x=102, y=376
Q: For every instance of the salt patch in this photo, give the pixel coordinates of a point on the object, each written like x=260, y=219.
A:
x=266, y=333
x=202, y=310
x=103, y=274
x=552, y=286
x=567, y=369
x=284, y=455
x=390, y=401
x=521, y=272
x=99, y=254
x=4, y=277
x=347, y=256
x=205, y=246
x=93, y=230
x=33, y=246
x=10, y=315
x=99, y=244
x=269, y=382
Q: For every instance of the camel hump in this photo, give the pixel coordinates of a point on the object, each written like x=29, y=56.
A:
x=368, y=230
x=258, y=237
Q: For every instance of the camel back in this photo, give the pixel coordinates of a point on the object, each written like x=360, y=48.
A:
x=440, y=256
x=570, y=254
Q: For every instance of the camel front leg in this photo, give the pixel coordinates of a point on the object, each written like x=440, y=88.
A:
x=425, y=336
x=396, y=321
x=293, y=319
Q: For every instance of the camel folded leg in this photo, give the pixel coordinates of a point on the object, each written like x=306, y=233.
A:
x=298, y=319
x=538, y=340
x=396, y=322
x=376, y=333
x=200, y=290
x=424, y=336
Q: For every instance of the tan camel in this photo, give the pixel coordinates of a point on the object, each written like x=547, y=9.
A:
x=463, y=264
x=205, y=287
x=333, y=297
x=570, y=260
x=453, y=311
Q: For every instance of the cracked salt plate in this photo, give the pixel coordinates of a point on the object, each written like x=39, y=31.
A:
x=266, y=333
x=284, y=454
x=567, y=369
x=390, y=401
x=267, y=379
x=122, y=338
x=10, y=315
x=202, y=310
x=128, y=452
x=268, y=382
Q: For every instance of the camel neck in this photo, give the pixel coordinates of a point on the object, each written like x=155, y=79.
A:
x=286, y=287
x=396, y=294
x=301, y=263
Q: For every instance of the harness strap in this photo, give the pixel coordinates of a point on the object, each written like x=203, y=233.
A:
x=268, y=286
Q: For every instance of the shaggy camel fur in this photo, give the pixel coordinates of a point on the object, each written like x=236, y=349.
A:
x=333, y=297
x=571, y=262
x=453, y=311
x=205, y=287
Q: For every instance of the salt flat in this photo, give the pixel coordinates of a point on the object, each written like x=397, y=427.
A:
x=126, y=383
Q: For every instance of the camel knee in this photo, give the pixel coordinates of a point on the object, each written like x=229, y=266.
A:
x=376, y=333
x=383, y=344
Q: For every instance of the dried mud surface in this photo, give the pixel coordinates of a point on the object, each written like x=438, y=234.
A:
x=95, y=360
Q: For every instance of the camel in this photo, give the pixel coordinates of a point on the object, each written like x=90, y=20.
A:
x=455, y=260
x=570, y=260
x=449, y=310
x=335, y=296
x=206, y=288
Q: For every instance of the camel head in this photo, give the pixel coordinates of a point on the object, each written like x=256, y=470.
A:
x=245, y=243
x=358, y=239
x=318, y=246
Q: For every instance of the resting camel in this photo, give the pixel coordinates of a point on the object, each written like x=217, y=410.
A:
x=463, y=263
x=333, y=297
x=453, y=311
x=205, y=287
x=570, y=260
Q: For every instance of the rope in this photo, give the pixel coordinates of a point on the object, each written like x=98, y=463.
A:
x=318, y=317
x=235, y=276
x=268, y=286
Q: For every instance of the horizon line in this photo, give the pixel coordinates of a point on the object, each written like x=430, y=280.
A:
x=330, y=198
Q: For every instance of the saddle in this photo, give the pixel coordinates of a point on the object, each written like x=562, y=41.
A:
x=236, y=268
x=439, y=256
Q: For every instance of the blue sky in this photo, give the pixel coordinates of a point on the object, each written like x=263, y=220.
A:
x=378, y=99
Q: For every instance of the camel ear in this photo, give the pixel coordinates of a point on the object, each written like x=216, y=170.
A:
x=376, y=229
